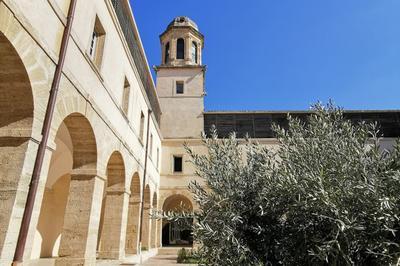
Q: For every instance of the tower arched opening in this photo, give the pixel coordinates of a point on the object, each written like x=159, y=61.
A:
x=166, y=54
x=177, y=233
x=180, y=49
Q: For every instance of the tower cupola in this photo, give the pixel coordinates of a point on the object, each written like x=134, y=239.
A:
x=181, y=43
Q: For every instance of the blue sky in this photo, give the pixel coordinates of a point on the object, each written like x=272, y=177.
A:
x=287, y=54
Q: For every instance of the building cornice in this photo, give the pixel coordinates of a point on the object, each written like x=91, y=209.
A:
x=202, y=67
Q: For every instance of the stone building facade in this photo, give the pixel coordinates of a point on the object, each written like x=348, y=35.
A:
x=90, y=189
x=96, y=180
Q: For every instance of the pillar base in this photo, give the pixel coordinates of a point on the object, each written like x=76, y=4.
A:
x=109, y=255
x=131, y=251
x=65, y=261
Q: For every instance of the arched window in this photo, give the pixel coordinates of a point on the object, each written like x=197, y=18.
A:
x=180, y=49
x=166, y=59
x=194, y=52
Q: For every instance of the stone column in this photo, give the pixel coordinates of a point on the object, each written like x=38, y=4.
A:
x=146, y=230
x=200, y=51
x=153, y=233
x=17, y=157
x=188, y=45
x=81, y=222
x=38, y=203
x=112, y=245
x=158, y=237
x=172, y=49
x=163, y=53
x=132, y=232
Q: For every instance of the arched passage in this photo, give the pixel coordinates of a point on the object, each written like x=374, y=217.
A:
x=146, y=219
x=69, y=206
x=153, y=242
x=133, y=216
x=16, y=117
x=177, y=232
x=52, y=212
x=112, y=239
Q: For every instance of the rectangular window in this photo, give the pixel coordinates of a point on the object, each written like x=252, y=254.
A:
x=179, y=87
x=125, y=97
x=151, y=147
x=97, y=41
x=177, y=164
x=141, y=133
x=93, y=44
x=158, y=158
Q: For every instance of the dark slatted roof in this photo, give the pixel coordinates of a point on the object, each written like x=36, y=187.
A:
x=258, y=124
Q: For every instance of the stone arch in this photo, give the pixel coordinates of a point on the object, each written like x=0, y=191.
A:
x=112, y=226
x=83, y=142
x=16, y=120
x=66, y=105
x=69, y=203
x=185, y=194
x=154, y=207
x=131, y=246
x=146, y=227
x=116, y=171
x=135, y=187
x=177, y=232
x=16, y=108
x=177, y=202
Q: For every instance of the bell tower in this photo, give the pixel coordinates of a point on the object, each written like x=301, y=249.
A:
x=180, y=80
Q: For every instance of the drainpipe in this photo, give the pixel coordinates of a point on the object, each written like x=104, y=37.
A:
x=144, y=185
x=26, y=219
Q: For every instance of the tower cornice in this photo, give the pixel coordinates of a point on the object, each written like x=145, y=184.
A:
x=189, y=28
x=156, y=68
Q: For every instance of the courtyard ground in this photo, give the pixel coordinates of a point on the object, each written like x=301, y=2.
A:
x=159, y=260
x=163, y=260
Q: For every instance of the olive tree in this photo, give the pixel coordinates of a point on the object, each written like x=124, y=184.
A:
x=327, y=194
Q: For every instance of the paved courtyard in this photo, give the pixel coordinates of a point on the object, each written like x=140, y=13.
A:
x=161, y=260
